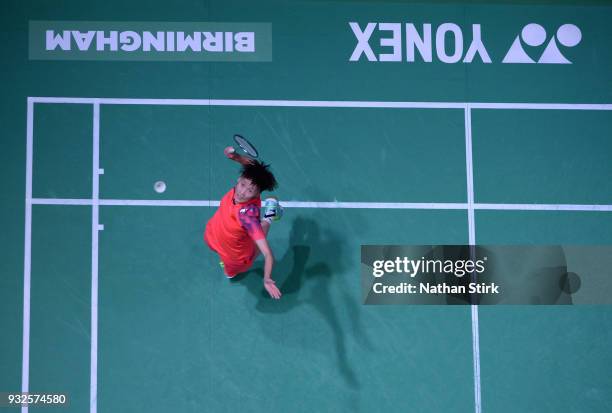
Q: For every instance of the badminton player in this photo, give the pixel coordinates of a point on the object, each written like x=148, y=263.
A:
x=238, y=229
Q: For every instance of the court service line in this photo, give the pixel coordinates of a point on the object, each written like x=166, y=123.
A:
x=27, y=255
x=543, y=207
x=95, y=228
x=336, y=205
x=469, y=169
x=324, y=103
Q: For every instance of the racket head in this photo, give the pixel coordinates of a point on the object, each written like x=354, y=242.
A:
x=246, y=146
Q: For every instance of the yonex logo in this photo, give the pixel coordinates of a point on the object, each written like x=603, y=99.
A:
x=449, y=43
x=396, y=42
x=534, y=35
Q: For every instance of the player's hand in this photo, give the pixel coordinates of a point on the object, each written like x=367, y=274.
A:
x=271, y=288
x=229, y=152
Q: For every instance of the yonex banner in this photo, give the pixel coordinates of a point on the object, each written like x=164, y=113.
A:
x=491, y=274
x=397, y=42
x=183, y=41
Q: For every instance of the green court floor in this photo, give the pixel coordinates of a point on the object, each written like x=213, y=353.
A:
x=179, y=335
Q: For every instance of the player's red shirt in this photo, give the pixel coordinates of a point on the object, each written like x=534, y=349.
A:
x=233, y=230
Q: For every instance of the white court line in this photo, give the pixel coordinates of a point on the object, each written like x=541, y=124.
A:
x=89, y=101
x=27, y=255
x=469, y=169
x=476, y=353
x=323, y=103
x=95, y=228
x=123, y=202
x=372, y=205
x=61, y=201
x=145, y=202
x=333, y=205
x=214, y=203
x=255, y=102
x=543, y=106
x=469, y=173
x=543, y=207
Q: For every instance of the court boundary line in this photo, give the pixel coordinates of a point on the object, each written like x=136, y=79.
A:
x=27, y=255
x=322, y=103
x=95, y=202
x=95, y=228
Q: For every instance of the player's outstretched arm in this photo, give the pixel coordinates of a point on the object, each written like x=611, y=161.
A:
x=231, y=154
x=269, y=284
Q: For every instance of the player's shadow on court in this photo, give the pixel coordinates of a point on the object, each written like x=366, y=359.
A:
x=303, y=275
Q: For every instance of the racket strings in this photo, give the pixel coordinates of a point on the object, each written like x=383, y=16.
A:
x=246, y=146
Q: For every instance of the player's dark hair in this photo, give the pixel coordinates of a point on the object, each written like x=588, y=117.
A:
x=259, y=173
